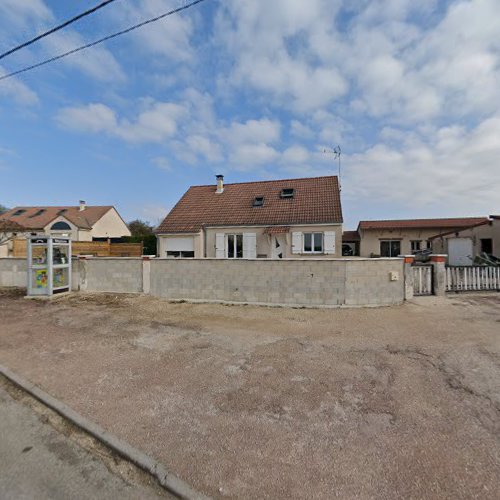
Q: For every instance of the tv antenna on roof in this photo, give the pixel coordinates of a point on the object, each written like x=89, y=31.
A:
x=336, y=152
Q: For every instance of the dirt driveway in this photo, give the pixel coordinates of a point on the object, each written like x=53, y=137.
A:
x=249, y=402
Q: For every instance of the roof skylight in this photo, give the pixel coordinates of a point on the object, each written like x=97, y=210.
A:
x=287, y=193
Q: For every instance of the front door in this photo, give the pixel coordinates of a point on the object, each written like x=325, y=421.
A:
x=279, y=245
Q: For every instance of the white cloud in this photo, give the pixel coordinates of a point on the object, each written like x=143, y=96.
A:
x=157, y=123
x=30, y=17
x=169, y=38
x=300, y=130
x=296, y=154
x=263, y=130
x=162, y=163
x=249, y=144
x=20, y=13
x=17, y=90
x=153, y=125
x=454, y=170
x=249, y=155
x=97, y=62
x=399, y=60
x=93, y=118
x=266, y=41
x=203, y=146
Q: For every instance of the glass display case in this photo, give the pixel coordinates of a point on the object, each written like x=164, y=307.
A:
x=49, y=265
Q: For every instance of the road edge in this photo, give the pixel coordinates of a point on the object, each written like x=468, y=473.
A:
x=148, y=464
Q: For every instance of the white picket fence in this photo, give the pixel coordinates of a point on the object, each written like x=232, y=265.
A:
x=460, y=279
x=422, y=280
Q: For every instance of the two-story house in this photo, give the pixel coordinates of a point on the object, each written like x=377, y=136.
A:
x=270, y=219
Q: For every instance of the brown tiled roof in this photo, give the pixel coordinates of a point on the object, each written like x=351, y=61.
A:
x=84, y=219
x=350, y=236
x=10, y=226
x=316, y=200
x=422, y=223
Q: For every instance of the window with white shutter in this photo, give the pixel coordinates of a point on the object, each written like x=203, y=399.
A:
x=329, y=238
x=249, y=245
x=219, y=245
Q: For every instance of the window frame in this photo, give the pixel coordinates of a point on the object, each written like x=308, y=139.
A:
x=236, y=237
x=390, y=241
x=413, y=251
x=39, y=212
x=287, y=193
x=179, y=254
x=258, y=201
x=313, y=243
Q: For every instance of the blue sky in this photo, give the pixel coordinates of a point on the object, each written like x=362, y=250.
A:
x=256, y=90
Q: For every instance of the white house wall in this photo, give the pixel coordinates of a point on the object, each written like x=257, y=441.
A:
x=263, y=240
x=370, y=239
x=72, y=232
x=110, y=225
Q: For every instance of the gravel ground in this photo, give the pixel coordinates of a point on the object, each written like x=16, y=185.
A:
x=252, y=402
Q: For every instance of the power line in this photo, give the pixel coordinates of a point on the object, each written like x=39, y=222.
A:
x=57, y=28
x=97, y=42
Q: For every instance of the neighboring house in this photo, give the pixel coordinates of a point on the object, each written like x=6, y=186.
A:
x=390, y=238
x=464, y=245
x=350, y=243
x=80, y=223
x=8, y=231
x=268, y=219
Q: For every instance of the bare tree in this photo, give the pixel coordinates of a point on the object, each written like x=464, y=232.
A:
x=9, y=230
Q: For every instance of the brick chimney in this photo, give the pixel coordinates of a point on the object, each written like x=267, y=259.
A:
x=82, y=205
x=220, y=184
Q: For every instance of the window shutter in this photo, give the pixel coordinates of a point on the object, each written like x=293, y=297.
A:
x=329, y=242
x=219, y=245
x=296, y=242
x=249, y=245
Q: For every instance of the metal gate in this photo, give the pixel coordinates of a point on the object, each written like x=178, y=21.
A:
x=422, y=280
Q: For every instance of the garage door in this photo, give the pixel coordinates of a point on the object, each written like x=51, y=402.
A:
x=460, y=252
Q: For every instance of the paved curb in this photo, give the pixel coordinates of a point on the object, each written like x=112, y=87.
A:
x=166, y=479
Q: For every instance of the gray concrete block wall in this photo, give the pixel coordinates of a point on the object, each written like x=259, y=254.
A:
x=368, y=282
x=352, y=282
x=120, y=275
x=297, y=282
x=258, y=281
x=75, y=274
x=13, y=272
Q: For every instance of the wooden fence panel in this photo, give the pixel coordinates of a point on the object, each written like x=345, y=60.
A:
x=95, y=248
x=19, y=248
x=125, y=250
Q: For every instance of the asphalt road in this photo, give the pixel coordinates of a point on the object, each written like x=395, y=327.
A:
x=38, y=462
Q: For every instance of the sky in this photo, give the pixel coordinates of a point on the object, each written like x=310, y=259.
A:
x=256, y=90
